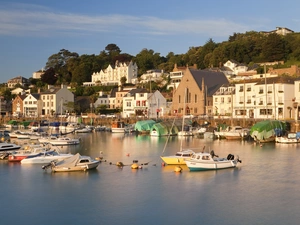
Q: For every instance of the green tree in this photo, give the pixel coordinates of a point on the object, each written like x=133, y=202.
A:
x=49, y=77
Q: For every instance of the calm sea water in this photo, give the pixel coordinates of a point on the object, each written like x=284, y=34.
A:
x=263, y=189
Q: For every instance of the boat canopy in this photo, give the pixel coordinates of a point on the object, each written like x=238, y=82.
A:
x=70, y=161
x=144, y=125
x=268, y=128
x=167, y=127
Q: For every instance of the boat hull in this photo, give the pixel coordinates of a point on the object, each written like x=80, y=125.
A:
x=174, y=160
x=85, y=167
x=200, y=166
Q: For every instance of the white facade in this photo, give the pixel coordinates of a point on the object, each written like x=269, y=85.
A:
x=257, y=100
x=151, y=105
x=151, y=75
x=175, y=79
x=32, y=105
x=236, y=67
x=112, y=75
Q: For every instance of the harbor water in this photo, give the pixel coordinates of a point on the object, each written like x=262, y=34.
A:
x=263, y=189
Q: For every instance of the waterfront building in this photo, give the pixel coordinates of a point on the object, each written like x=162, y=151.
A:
x=139, y=102
x=200, y=86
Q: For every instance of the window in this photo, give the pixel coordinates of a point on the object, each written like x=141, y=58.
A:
x=128, y=104
x=196, y=99
x=222, y=99
x=261, y=90
x=216, y=99
x=229, y=99
x=270, y=89
x=179, y=98
x=138, y=103
x=241, y=88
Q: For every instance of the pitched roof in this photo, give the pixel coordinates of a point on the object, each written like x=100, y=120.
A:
x=212, y=80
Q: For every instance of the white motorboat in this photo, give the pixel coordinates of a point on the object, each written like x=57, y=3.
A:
x=74, y=163
x=83, y=130
x=290, y=138
x=60, y=141
x=210, y=161
x=233, y=133
x=47, y=139
x=8, y=147
x=45, y=157
x=29, y=150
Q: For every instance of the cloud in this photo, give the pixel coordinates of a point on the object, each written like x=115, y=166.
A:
x=33, y=20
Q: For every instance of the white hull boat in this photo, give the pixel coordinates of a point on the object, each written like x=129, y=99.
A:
x=60, y=141
x=291, y=138
x=209, y=161
x=74, y=163
x=45, y=157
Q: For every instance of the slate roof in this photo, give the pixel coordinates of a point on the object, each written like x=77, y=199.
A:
x=212, y=80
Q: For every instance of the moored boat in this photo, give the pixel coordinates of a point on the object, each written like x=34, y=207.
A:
x=8, y=147
x=290, y=138
x=74, y=163
x=45, y=157
x=179, y=158
x=209, y=161
x=267, y=130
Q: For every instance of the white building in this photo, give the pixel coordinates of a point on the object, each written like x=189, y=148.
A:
x=112, y=74
x=263, y=99
x=32, y=105
x=138, y=102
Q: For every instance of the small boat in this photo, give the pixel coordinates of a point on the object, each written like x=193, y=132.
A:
x=290, y=138
x=45, y=157
x=30, y=150
x=8, y=147
x=118, y=127
x=74, y=163
x=83, y=130
x=179, y=158
x=209, y=161
x=233, y=133
x=60, y=141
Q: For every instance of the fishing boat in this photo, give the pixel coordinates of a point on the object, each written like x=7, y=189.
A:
x=209, y=161
x=290, y=138
x=74, y=163
x=267, y=130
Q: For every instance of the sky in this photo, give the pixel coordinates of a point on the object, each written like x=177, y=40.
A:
x=33, y=30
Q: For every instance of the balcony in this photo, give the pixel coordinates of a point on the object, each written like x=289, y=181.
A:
x=249, y=102
x=241, y=90
x=261, y=92
x=261, y=103
x=241, y=102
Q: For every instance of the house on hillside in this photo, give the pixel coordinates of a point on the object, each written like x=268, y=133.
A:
x=195, y=91
x=11, y=83
x=17, y=105
x=113, y=73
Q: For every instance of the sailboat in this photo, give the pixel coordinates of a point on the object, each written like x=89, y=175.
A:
x=182, y=155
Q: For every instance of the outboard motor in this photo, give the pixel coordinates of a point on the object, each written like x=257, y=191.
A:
x=230, y=157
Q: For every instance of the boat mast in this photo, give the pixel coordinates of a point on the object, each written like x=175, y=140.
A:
x=266, y=90
x=183, y=114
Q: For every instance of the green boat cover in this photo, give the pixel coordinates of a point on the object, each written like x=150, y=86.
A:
x=168, y=128
x=144, y=125
x=267, y=128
